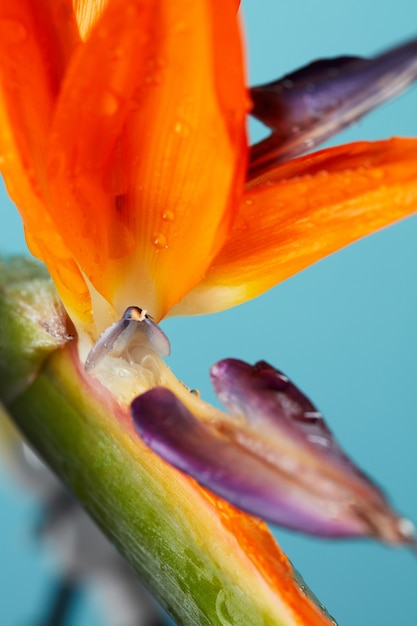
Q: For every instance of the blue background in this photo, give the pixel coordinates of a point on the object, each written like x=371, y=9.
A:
x=344, y=330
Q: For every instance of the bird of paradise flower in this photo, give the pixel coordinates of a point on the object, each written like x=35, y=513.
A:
x=104, y=170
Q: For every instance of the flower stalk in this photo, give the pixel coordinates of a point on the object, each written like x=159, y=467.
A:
x=195, y=552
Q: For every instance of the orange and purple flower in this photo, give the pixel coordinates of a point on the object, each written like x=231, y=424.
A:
x=123, y=144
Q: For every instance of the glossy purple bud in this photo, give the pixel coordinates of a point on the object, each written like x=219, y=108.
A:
x=273, y=457
x=309, y=106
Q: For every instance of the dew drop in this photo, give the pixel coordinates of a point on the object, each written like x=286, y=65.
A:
x=13, y=31
x=181, y=128
x=137, y=98
x=376, y=174
x=249, y=202
x=56, y=164
x=109, y=103
x=153, y=79
x=179, y=27
x=115, y=53
x=168, y=216
x=406, y=529
x=160, y=241
x=154, y=68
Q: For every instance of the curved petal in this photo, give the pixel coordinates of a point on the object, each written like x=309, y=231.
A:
x=147, y=148
x=303, y=211
x=277, y=460
x=34, y=53
x=36, y=43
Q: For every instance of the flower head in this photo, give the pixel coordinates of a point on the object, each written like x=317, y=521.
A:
x=125, y=121
x=123, y=143
x=124, y=147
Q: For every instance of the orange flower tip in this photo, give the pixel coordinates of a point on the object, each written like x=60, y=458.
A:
x=211, y=299
x=309, y=106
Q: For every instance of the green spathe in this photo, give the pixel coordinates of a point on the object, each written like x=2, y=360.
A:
x=164, y=526
x=32, y=323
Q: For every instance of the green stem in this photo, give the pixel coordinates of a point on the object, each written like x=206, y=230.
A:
x=205, y=563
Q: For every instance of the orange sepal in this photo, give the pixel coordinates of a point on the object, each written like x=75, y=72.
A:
x=146, y=156
x=303, y=211
x=36, y=42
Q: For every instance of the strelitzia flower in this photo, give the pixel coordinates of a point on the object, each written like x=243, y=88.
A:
x=123, y=144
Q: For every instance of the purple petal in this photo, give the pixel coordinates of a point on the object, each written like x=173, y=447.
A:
x=278, y=460
x=305, y=108
x=274, y=405
x=229, y=470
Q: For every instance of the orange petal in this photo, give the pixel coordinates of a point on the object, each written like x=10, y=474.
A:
x=302, y=211
x=88, y=12
x=144, y=148
x=268, y=558
x=36, y=41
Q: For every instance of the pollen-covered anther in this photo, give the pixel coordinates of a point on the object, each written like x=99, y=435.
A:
x=136, y=329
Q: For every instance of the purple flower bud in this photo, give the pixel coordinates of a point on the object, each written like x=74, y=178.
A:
x=305, y=108
x=274, y=456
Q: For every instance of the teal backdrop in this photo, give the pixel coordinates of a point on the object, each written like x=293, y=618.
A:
x=345, y=330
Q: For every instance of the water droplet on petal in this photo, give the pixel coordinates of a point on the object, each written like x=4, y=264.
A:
x=160, y=241
x=154, y=69
x=109, y=104
x=179, y=27
x=376, y=174
x=56, y=164
x=153, y=79
x=115, y=53
x=182, y=128
x=168, y=216
x=288, y=83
